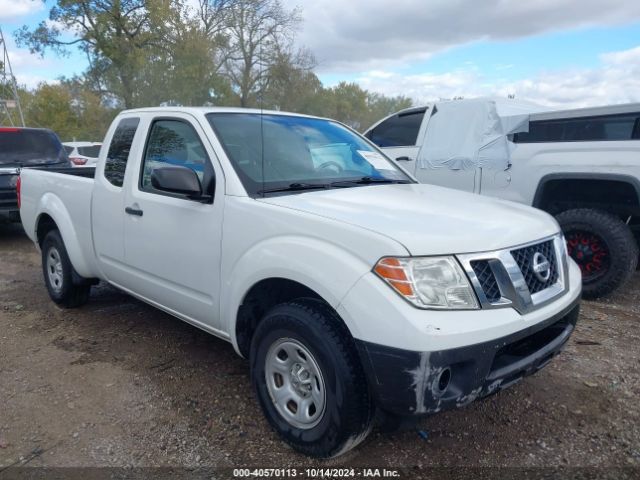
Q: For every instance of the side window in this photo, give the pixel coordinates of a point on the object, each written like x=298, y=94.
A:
x=399, y=131
x=174, y=143
x=586, y=129
x=116, y=162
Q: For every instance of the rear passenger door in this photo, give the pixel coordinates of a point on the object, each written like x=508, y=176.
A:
x=173, y=243
x=398, y=135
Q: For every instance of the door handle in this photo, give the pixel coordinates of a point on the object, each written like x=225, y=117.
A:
x=133, y=211
x=403, y=159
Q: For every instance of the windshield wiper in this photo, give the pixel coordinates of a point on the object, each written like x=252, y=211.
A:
x=367, y=181
x=292, y=187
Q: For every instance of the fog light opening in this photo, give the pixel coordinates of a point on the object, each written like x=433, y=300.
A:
x=441, y=382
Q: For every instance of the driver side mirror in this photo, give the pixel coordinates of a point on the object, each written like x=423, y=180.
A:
x=180, y=180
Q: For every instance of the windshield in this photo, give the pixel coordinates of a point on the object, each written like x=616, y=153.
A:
x=24, y=147
x=287, y=153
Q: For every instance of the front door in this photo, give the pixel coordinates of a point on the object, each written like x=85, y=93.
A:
x=173, y=243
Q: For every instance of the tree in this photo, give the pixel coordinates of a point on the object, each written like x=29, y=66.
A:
x=69, y=109
x=291, y=84
x=186, y=52
x=348, y=104
x=185, y=72
x=356, y=107
x=259, y=30
x=94, y=117
x=50, y=107
x=114, y=34
x=380, y=106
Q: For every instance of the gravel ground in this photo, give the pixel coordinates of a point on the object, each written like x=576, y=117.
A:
x=118, y=383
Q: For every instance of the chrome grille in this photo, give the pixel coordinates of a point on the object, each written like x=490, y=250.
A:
x=507, y=278
x=487, y=280
x=524, y=259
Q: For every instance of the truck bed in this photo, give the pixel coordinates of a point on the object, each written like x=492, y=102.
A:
x=87, y=172
x=65, y=193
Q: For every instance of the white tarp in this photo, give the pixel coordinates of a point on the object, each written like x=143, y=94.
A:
x=467, y=134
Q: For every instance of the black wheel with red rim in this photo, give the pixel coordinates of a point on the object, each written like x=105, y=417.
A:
x=603, y=246
x=590, y=252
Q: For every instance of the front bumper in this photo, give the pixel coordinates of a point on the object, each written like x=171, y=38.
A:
x=410, y=383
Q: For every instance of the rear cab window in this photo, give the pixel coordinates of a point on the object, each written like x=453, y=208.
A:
x=27, y=147
x=116, y=162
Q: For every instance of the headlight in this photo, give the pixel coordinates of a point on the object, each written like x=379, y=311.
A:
x=428, y=282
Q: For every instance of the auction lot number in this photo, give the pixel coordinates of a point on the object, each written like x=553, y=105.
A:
x=315, y=473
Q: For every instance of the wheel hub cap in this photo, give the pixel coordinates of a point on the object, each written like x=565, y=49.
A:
x=54, y=269
x=295, y=383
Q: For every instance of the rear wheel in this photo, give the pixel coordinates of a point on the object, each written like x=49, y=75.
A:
x=58, y=273
x=603, y=246
x=308, y=379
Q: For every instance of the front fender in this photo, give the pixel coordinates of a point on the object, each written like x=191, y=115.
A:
x=73, y=233
x=319, y=265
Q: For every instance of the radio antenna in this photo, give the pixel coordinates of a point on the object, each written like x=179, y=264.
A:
x=261, y=101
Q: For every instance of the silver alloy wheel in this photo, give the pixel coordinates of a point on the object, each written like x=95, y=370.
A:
x=295, y=384
x=54, y=269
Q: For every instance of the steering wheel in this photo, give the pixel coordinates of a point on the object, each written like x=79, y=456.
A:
x=331, y=164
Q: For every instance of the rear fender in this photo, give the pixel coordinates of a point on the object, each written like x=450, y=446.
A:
x=53, y=206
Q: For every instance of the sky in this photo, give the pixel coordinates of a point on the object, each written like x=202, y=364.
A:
x=569, y=53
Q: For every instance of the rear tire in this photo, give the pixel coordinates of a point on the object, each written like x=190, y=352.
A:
x=603, y=246
x=59, y=274
x=337, y=412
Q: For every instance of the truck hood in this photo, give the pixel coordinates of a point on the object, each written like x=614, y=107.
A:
x=426, y=219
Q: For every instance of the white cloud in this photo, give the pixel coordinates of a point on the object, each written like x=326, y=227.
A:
x=11, y=9
x=359, y=35
x=30, y=69
x=21, y=59
x=616, y=80
x=31, y=81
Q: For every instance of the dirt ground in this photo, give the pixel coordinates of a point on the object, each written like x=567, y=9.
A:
x=119, y=383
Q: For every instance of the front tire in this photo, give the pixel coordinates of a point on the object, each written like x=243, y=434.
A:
x=307, y=376
x=58, y=273
x=603, y=246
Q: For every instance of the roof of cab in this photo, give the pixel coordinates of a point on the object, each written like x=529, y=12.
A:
x=205, y=110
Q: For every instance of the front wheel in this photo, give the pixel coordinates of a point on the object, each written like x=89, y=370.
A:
x=603, y=246
x=308, y=379
x=58, y=273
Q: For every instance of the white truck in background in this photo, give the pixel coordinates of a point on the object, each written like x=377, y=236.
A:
x=582, y=166
x=290, y=237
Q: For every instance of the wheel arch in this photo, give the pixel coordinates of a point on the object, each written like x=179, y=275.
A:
x=296, y=266
x=615, y=193
x=260, y=298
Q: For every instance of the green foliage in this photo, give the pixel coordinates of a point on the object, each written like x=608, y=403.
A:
x=158, y=52
x=68, y=109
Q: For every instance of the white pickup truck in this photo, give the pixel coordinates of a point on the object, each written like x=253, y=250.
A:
x=350, y=287
x=580, y=165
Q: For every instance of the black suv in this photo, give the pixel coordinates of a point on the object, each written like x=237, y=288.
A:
x=25, y=147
